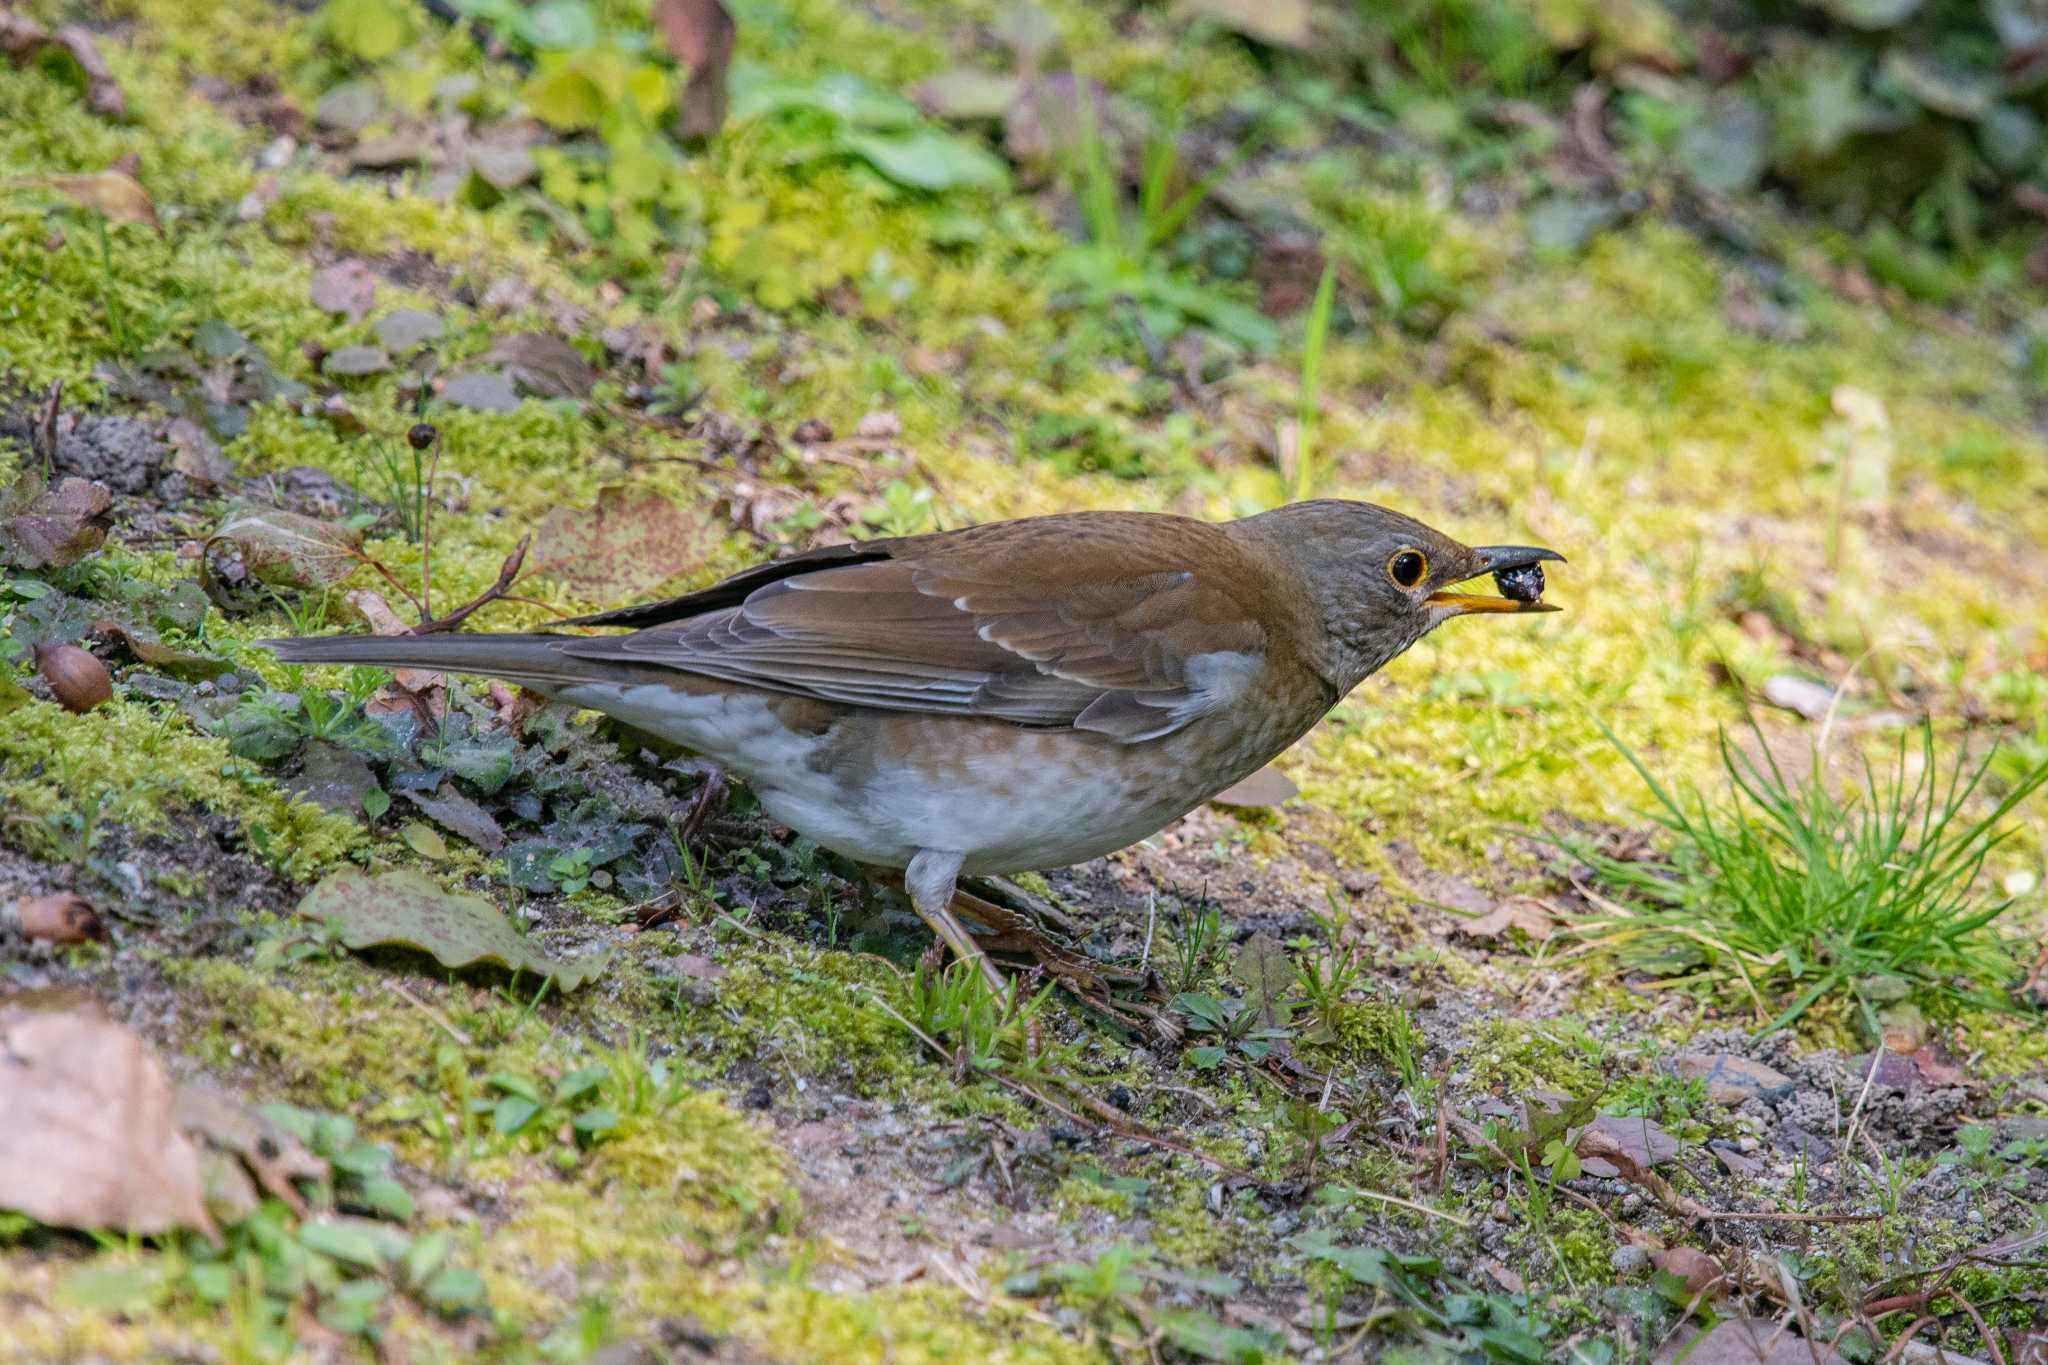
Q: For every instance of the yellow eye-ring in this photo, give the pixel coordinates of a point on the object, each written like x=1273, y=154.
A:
x=1407, y=568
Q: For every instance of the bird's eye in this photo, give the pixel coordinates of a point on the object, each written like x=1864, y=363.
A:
x=1407, y=567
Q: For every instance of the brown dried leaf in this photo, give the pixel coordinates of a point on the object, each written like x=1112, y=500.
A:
x=43, y=528
x=22, y=39
x=1699, y=1270
x=116, y=194
x=1747, y=1341
x=1265, y=971
x=346, y=288
x=700, y=34
x=1516, y=912
x=90, y=1140
x=285, y=548
x=1266, y=787
x=457, y=813
x=62, y=917
x=384, y=621
x=149, y=648
x=628, y=543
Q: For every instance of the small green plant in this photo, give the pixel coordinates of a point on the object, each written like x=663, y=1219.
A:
x=1798, y=892
x=570, y=871
x=1196, y=947
x=1308, y=406
x=525, y=1108
x=395, y=472
x=1122, y=258
x=988, y=1031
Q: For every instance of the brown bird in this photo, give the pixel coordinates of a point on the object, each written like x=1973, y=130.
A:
x=1008, y=697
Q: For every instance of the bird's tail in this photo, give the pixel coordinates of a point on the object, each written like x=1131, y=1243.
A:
x=531, y=659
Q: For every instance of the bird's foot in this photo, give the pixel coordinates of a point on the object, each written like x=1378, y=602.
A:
x=1024, y=924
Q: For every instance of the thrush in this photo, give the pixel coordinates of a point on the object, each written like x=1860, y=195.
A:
x=1008, y=697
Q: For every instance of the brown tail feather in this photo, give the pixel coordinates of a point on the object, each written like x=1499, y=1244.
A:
x=532, y=659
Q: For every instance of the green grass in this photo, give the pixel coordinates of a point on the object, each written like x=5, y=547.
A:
x=1798, y=891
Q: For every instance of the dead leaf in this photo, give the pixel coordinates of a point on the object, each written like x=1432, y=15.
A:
x=62, y=917
x=700, y=34
x=483, y=390
x=1516, y=912
x=115, y=194
x=451, y=809
x=49, y=527
x=546, y=365
x=346, y=288
x=502, y=166
x=1266, y=787
x=628, y=543
x=1699, y=1270
x=22, y=39
x=1643, y=1140
x=90, y=1140
x=285, y=548
x=966, y=92
x=384, y=621
x=1265, y=971
x=408, y=909
x=148, y=647
x=1502, y=1276
x=199, y=458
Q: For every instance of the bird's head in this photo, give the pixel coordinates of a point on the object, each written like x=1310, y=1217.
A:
x=1380, y=581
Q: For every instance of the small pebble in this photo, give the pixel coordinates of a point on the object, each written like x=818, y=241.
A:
x=1629, y=1260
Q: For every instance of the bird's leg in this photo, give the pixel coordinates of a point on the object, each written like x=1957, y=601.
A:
x=1014, y=931
x=709, y=797
x=931, y=879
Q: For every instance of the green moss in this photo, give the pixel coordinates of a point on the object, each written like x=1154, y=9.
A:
x=1513, y=1057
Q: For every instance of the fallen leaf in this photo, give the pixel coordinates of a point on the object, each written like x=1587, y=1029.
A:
x=456, y=812
x=62, y=917
x=288, y=549
x=116, y=194
x=546, y=365
x=1695, y=1267
x=1642, y=1140
x=384, y=621
x=350, y=361
x=348, y=107
x=1265, y=971
x=49, y=527
x=199, y=456
x=407, y=328
x=346, y=288
x=483, y=390
x=502, y=166
x=148, y=647
x=1266, y=787
x=423, y=840
x=90, y=1140
x=407, y=908
x=628, y=543
x=700, y=34
x=1502, y=1276
x=332, y=778
x=1516, y=912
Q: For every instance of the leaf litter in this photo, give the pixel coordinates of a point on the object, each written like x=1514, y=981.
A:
x=408, y=909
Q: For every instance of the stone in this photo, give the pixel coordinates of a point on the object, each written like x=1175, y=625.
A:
x=1732, y=1078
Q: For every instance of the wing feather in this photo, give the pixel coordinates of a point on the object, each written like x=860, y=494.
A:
x=1113, y=627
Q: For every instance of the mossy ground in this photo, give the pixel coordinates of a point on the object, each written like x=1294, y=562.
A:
x=1751, y=470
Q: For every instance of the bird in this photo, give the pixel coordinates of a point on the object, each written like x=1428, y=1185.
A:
x=1005, y=697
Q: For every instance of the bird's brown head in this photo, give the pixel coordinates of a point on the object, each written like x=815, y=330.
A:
x=1380, y=581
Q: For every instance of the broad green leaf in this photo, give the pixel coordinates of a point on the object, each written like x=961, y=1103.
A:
x=458, y=930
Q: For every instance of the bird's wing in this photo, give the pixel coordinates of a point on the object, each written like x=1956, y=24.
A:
x=1128, y=626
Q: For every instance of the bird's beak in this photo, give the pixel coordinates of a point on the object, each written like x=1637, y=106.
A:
x=1493, y=559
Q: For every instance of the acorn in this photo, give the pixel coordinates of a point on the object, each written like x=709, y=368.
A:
x=79, y=681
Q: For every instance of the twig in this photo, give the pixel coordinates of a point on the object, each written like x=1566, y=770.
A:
x=1412, y=1205
x=45, y=433
x=498, y=591
x=426, y=509
x=1856, y=1114
x=397, y=989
